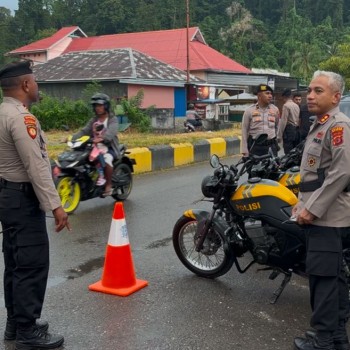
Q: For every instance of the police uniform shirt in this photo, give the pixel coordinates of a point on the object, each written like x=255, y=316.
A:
x=23, y=152
x=257, y=120
x=290, y=115
x=328, y=146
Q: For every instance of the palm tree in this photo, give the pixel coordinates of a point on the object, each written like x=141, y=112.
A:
x=303, y=61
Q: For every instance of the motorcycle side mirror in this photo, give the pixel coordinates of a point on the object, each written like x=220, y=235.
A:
x=214, y=161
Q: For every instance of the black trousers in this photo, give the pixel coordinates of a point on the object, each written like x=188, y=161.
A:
x=26, y=254
x=329, y=293
x=290, y=138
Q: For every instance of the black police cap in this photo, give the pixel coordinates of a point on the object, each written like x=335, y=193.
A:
x=262, y=88
x=16, y=69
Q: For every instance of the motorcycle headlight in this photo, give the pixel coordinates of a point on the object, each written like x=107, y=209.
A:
x=208, y=186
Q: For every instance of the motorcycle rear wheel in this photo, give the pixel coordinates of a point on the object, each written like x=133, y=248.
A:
x=212, y=261
x=121, y=192
x=69, y=193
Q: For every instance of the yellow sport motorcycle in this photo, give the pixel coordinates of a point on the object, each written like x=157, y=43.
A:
x=252, y=217
x=76, y=176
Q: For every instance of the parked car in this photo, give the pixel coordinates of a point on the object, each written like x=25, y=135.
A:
x=344, y=105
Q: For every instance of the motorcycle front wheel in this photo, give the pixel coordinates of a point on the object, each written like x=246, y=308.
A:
x=212, y=261
x=69, y=193
x=121, y=182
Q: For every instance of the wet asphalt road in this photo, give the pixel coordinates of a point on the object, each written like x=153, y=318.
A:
x=177, y=310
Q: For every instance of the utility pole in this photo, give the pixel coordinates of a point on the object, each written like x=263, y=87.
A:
x=188, y=40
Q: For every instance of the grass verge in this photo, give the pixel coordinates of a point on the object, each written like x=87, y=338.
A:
x=132, y=139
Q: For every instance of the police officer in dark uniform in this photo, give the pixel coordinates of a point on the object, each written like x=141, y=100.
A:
x=260, y=118
x=323, y=209
x=26, y=193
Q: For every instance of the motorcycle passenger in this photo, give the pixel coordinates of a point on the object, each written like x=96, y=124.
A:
x=323, y=209
x=193, y=117
x=98, y=151
x=260, y=118
x=101, y=106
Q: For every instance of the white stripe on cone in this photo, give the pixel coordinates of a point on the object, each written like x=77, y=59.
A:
x=118, y=234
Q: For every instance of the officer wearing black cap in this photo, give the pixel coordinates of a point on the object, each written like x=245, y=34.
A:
x=260, y=118
x=26, y=193
x=288, y=126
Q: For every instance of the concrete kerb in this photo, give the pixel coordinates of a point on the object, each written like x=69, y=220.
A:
x=168, y=156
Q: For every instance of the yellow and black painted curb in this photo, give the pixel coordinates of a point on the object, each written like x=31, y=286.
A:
x=173, y=155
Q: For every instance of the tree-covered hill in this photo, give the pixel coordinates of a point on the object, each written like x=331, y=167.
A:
x=296, y=36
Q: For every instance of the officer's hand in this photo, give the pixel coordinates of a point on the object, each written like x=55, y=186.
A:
x=61, y=219
x=305, y=217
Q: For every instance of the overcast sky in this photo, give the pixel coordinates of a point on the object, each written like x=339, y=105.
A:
x=10, y=4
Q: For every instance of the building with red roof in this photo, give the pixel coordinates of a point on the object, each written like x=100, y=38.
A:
x=184, y=49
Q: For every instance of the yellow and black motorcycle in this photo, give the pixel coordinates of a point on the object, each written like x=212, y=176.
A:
x=252, y=217
x=285, y=169
x=76, y=176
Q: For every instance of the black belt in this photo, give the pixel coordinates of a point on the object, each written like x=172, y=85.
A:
x=17, y=186
x=311, y=186
x=265, y=143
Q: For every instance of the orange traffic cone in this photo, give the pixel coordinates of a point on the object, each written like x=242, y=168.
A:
x=118, y=272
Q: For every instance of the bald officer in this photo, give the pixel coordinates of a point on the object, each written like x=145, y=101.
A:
x=26, y=193
x=260, y=118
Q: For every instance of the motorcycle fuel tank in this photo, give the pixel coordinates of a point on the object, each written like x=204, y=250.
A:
x=291, y=179
x=261, y=196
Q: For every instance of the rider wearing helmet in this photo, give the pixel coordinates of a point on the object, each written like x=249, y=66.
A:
x=192, y=116
x=101, y=104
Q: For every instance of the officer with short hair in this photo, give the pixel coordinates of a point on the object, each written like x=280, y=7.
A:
x=323, y=209
x=27, y=191
x=289, y=123
x=260, y=118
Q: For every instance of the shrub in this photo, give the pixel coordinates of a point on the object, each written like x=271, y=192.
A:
x=139, y=118
x=55, y=114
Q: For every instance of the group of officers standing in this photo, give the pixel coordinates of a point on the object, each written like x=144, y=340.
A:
x=27, y=192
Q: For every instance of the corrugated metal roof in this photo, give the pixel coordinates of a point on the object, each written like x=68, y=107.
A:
x=102, y=65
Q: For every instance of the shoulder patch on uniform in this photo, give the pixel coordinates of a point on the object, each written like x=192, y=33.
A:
x=30, y=123
x=337, y=135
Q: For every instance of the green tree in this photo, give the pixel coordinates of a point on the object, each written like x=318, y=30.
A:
x=303, y=63
x=339, y=63
x=31, y=16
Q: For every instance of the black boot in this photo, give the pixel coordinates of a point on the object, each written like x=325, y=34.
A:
x=321, y=341
x=30, y=337
x=340, y=337
x=11, y=328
